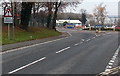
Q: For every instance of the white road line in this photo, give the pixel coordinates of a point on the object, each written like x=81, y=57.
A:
x=26, y=65
x=81, y=42
x=83, y=39
x=109, y=67
x=69, y=33
x=88, y=39
x=76, y=44
x=31, y=45
x=93, y=37
x=111, y=62
x=62, y=50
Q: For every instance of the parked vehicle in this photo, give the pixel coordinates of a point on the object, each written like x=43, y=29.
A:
x=117, y=27
x=109, y=27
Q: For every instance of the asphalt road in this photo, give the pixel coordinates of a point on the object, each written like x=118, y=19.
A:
x=83, y=52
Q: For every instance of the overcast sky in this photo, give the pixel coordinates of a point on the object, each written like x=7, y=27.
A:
x=89, y=5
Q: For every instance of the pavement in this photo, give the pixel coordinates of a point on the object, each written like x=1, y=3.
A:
x=83, y=52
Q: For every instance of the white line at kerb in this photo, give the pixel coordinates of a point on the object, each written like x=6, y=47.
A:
x=111, y=62
x=31, y=46
x=62, y=50
x=26, y=65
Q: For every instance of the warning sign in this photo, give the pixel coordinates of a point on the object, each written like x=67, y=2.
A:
x=8, y=17
x=8, y=13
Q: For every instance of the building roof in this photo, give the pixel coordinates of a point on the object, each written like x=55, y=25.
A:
x=69, y=21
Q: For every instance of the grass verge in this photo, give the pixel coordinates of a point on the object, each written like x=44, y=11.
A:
x=32, y=34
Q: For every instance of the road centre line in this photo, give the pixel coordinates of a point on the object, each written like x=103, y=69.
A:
x=83, y=39
x=93, y=37
x=27, y=65
x=81, y=42
x=76, y=44
x=88, y=39
x=62, y=50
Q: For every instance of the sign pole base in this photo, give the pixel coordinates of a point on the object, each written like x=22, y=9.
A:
x=8, y=31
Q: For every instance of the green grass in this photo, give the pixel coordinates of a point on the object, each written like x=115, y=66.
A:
x=0, y=39
x=32, y=34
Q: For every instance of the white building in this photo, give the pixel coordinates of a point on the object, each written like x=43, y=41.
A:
x=74, y=22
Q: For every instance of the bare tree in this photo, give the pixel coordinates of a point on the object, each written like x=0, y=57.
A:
x=60, y=4
x=54, y=7
x=100, y=13
x=83, y=17
x=26, y=14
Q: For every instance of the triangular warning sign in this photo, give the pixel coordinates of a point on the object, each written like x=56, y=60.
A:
x=8, y=13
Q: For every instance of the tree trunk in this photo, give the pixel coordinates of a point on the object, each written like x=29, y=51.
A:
x=49, y=15
x=57, y=5
x=25, y=14
x=55, y=16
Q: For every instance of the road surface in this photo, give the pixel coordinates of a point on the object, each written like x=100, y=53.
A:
x=83, y=52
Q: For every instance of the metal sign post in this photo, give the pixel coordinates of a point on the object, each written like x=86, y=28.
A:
x=8, y=31
x=8, y=18
x=13, y=12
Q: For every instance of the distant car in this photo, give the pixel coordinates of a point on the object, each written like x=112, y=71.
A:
x=70, y=25
x=109, y=27
x=117, y=27
x=98, y=26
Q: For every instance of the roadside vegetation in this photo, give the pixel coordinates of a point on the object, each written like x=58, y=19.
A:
x=33, y=20
x=0, y=38
x=32, y=34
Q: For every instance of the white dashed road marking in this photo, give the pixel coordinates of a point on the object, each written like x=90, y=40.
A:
x=93, y=38
x=88, y=39
x=26, y=65
x=81, y=42
x=110, y=64
x=83, y=39
x=76, y=44
x=62, y=50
